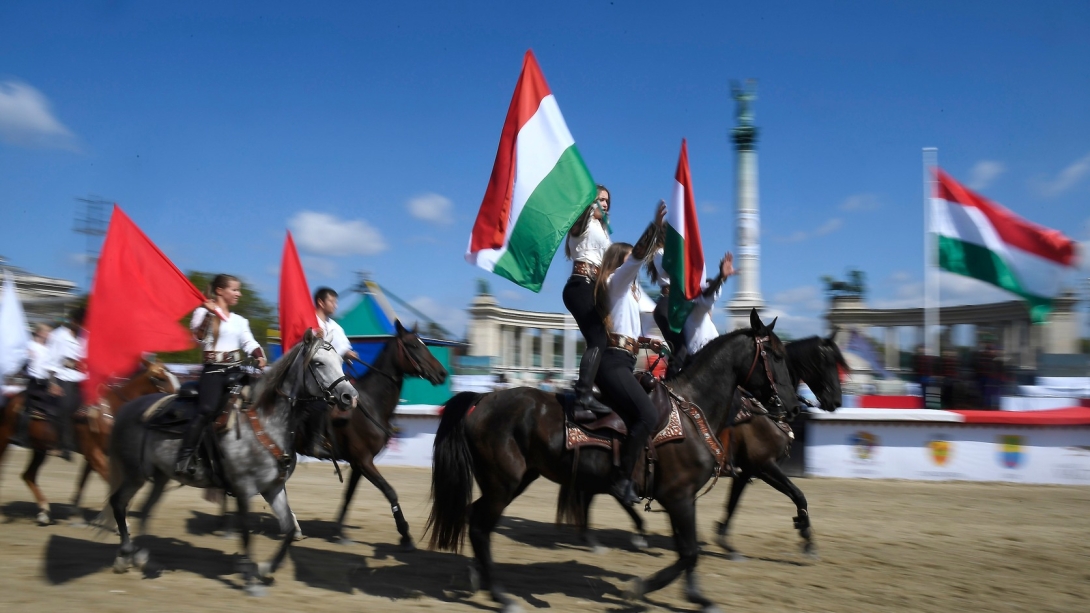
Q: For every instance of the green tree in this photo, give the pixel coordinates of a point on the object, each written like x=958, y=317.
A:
x=251, y=305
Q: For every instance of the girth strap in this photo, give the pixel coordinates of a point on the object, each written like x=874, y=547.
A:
x=282, y=459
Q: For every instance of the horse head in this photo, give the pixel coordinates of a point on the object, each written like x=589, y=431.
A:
x=413, y=357
x=160, y=377
x=817, y=361
x=323, y=372
x=773, y=380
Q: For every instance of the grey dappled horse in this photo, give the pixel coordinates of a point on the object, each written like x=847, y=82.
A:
x=312, y=369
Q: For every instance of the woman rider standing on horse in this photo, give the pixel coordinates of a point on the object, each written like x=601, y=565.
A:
x=224, y=338
x=618, y=294
x=699, y=330
x=587, y=242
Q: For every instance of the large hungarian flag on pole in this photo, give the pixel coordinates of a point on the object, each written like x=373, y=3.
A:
x=538, y=188
x=137, y=299
x=981, y=239
x=296, y=310
x=683, y=254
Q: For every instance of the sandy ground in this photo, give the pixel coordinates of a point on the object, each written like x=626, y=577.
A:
x=884, y=546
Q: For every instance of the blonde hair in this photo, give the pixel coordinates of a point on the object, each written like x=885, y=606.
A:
x=613, y=258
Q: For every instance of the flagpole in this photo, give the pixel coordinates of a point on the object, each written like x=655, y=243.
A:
x=930, y=252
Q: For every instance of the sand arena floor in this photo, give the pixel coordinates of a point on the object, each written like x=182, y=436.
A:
x=883, y=545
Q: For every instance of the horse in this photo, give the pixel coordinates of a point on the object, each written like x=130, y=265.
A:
x=506, y=439
x=759, y=443
x=92, y=433
x=257, y=455
x=368, y=429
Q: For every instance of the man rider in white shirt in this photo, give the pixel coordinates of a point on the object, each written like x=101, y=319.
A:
x=325, y=305
x=67, y=350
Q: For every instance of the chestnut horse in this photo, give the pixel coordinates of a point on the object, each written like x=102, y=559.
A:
x=93, y=425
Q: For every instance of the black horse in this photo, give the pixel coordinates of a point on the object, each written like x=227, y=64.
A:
x=759, y=444
x=507, y=439
x=369, y=429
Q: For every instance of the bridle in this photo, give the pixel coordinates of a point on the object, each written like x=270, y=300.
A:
x=760, y=353
x=327, y=394
x=403, y=357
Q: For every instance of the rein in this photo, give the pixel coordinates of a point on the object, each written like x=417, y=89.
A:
x=760, y=353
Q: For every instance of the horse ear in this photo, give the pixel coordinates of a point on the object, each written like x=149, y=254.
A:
x=308, y=336
x=833, y=333
x=400, y=328
x=755, y=321
x=147, y=361
x=416, y=326
x=772, y=325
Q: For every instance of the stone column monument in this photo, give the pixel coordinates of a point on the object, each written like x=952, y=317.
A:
x=747, y=293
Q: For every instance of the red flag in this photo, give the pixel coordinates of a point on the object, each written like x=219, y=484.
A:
x=296, y=310
x=137, y=299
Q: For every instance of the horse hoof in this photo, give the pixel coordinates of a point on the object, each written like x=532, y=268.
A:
x=256, y=590
x=344, y=541
x=229, y=534
x=265, y=574
x=140, y=559
x=298, y=536
x=44, y=519
x=122, y=564
x=407, y=544
x=511, y=607
x=734, y=556
x=635, y=590
x=639, y=542
x=721, y=540
x=78, y=523
x=711, y=609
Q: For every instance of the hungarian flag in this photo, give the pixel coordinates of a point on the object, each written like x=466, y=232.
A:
x=981, y=239
x=538, y=188
x=296, y=310
x=137, y=299
x=683, y=254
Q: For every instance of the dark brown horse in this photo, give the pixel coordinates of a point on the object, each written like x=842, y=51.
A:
x=507, y=439
x=759, y=444
x=93, y=426
x=369, y=430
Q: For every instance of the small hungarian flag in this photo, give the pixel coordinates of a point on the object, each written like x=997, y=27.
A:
x=683, y=254
x=296, y=310
x=538, y=188
x=981, y=239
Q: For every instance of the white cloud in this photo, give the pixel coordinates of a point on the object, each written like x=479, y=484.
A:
x=432, y=208
x=510, y=294
x=796, y=326
x=709, y=208
x=1067, y=178
x=984, y=172
x=828, y=227
x=953, y=290
x=322, y=266
x=324, y=234
x=27, y=120
x=452, y=318
x=861, y=202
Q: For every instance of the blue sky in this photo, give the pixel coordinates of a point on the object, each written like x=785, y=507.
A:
x=216, y=127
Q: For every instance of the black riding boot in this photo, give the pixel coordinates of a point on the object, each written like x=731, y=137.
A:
x=183, y=466
x=586, y=405
x=623, y=488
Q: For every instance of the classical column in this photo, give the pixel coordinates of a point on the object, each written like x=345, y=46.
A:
x=747, y=294
x=526, y=347
x=547, y=350
x=508, y=346
x=893, y=351
x=569, y=347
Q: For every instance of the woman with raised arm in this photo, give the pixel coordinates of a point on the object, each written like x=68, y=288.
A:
x=618, y=295
x=587, y=242
x=225, y=339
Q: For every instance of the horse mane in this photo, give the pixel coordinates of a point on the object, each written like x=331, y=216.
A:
x=265, y=392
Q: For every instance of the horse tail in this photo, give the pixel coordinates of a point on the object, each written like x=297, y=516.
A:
x=571, y=503
x=452, y=476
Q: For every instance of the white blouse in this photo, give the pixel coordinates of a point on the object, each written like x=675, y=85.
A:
x=699, y=330
x=591, y=245
x=64, y=349
x=234, y=333
x=624, y=301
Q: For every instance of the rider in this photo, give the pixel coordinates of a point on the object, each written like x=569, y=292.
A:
x=67, y=350
x=587, y=242
x=224, y=338
x=325, y=305
x=37, y=372
x=676, y=340
x=618, y=291
x=699, y=329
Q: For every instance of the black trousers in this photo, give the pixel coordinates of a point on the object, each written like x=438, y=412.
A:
x=66, y=407
x=630, y=401
x=211, y=387
x=579, y=300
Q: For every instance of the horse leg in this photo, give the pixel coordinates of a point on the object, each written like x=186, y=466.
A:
x=639, y=540
x=81, y=481
x=584, y=526
x=367, y=467
x=30, y=477
x=349, y=490
x=119, y=503
x=485, y=512
x=737, y=486
x=278, y=501
x=159, y=484
x=682, y=513
x=773, y=475
x=246, y=564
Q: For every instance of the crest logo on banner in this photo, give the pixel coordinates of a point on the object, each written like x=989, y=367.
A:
x=941, y=450
x=864, y=444
x=1010, y=450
